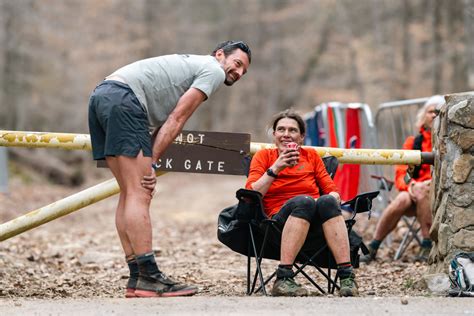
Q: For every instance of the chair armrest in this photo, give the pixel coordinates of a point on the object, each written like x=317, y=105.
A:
x=249, y=196
x=361, y=203
x=253, y=198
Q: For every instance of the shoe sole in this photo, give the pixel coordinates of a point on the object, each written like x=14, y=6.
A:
x=145, y=294
x=130, y=293
x=349, y=294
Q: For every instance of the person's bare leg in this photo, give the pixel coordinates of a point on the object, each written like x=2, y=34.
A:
x=392, y=214
x=292, y=239
x=423, y=208
x=136, y=216
x=335, y=232
x=119, y=214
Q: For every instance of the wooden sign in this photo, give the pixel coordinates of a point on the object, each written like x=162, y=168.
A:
x=206, y=152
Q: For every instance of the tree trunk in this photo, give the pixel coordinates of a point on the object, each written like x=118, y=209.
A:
x=406, y=49
x=437, y=48
x=469, y=40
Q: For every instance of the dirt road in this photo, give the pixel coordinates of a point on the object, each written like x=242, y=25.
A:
x=242, y=306
x=79, y=257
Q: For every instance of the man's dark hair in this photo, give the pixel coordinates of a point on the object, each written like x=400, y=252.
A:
x=292, y=115
x=229, y=46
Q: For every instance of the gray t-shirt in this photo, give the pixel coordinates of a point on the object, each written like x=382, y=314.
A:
x=159, y=82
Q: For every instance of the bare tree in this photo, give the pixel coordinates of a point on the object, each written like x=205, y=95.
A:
x=406, y=47
x=469, y=40
x=437, y=47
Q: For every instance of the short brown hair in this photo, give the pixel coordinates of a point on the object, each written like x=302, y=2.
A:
x=289, y=113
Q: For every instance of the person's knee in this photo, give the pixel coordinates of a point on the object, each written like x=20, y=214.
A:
x=327, y=207
x=401, y=203
x=421, y=193
x=304, y=207
x=138, y=194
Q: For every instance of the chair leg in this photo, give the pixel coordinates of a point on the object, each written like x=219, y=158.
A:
x=266, y=282
x=407, y=238
x=262, y=285
x=335, y=286
x=410, y=226
x=248, y=273
x=255, y=277
x=323, y=273
x=257, y=260
x=329, y=283
x=299, y=270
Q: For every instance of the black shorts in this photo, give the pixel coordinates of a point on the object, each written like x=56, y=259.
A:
x=118, y=124
x=305, y=207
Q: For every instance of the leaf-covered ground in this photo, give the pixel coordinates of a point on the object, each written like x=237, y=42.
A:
x=79, y=255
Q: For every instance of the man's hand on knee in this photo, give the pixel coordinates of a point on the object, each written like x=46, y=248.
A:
x=149, y=182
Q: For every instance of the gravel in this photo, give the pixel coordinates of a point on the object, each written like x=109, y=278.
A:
x=79, y=256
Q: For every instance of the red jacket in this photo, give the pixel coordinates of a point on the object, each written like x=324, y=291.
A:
x=425, y=171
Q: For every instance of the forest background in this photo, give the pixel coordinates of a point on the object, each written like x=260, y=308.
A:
x=305, y=52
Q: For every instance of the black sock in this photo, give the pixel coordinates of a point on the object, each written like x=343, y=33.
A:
x=375, y=244
x=134, y=273
x=426, y=243
x=344, y=270
x=133, y=267
x=284, y=271
x=147, y=265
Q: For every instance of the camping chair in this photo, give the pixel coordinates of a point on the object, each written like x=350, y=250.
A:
x=246, y=229
x=411, y=223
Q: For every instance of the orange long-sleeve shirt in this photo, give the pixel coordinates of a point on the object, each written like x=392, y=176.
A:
x=308, y=177
x=425, y=171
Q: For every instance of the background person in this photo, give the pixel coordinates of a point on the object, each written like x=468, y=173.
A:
x=160, y=92
x=291, y=181
x=413, y=196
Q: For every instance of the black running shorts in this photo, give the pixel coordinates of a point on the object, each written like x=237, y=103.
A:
x=118, y=124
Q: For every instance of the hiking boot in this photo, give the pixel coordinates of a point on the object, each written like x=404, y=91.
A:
x=132, y=279
x=368, y=258
x=348, y=286
x=131, y=287
x=423, y=254
x=288, y=287
x=159, y=285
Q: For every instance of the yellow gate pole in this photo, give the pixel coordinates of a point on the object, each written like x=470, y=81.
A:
x=352, y=156
x=366, y=156
x=45, y=140
x=108, y=188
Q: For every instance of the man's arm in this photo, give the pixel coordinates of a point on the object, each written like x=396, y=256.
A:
x=186, y=106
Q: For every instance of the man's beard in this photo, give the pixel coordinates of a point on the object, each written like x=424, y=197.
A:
x=228, y=82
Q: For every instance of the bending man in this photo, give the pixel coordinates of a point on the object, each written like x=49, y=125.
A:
x=160, y=92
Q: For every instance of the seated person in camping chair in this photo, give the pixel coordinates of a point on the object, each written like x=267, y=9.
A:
x=300, y=195
x=413, y=196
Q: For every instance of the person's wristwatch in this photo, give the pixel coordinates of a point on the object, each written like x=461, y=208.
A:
x=271, y=173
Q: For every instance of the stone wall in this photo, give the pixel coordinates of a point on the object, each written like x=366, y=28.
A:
x=452, y=187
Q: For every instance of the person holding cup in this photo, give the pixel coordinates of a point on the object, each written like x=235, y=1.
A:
x=299, y=194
